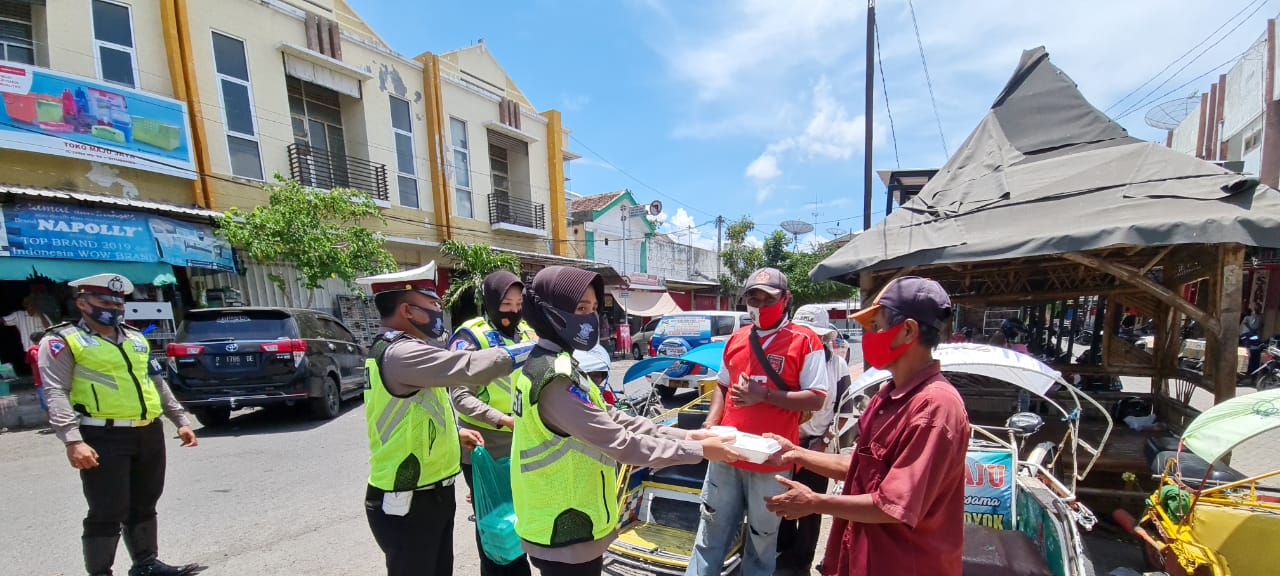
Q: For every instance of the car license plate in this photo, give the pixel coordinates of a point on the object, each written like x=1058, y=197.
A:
x=235, y=361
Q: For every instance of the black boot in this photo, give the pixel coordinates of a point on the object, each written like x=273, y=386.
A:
x=141, y=540
x=99, y=554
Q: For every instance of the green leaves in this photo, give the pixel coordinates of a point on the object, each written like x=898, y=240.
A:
x=741, y=259
x=322, y=233
x=471, y=263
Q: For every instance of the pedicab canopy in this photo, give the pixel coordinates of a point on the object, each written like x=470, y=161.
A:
x=1046, y=173
x=1228, y=424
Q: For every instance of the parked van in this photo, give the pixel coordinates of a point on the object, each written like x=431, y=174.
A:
x=677, y=334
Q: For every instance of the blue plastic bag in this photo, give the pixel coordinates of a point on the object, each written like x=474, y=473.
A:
x=495, y=513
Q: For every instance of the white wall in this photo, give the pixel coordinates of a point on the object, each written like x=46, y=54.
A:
x=671, y=259
x=609, y=225
x=1185, y=135
x=1244, y=87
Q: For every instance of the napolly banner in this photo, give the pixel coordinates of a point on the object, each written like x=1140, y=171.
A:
x=70, y=232
x=988, y=489
x=54, y=113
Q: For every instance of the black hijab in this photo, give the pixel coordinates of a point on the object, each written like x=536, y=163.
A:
x=558, y=288
x=492, y=291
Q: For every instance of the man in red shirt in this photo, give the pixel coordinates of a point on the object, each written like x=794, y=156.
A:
x=902, y=510
x=772, y=372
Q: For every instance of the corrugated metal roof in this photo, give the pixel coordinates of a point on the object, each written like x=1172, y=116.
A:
x=72, y=195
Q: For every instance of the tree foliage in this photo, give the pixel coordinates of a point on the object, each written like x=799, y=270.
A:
x=320, y=232
x=740, y=259
x=471, y=263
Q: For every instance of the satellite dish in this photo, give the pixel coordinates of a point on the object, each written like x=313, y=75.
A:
x=1169, y=115
x=796, y=228
x=837, y=232
x=655, y=208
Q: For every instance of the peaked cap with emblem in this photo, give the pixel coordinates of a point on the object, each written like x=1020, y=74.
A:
x=110, y=286
x=421, y=279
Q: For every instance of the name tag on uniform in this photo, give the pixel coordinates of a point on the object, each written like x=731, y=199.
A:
x=139, y=345
x=86, y=340
x=397, y=503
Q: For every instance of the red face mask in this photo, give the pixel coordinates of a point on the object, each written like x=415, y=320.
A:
x=877, y=347
x=768, y=317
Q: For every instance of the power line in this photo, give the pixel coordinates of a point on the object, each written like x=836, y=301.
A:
x=638, y=181
x=1143, y=102
x=1187, y=83
x=1179, y=58
x=884, y=85
x=927, y=78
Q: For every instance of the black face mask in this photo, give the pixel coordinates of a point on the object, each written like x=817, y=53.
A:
x=511, y=326
x=580, y=331
x=106, y=316
x=434, y=326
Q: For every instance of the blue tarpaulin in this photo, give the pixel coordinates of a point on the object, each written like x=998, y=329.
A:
x=708, y=355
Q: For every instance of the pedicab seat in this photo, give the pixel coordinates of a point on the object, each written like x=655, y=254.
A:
x=991, y=552
x=683, y=475
x=1192, y=468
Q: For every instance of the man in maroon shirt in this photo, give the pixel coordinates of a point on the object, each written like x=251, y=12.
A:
x=902, y=510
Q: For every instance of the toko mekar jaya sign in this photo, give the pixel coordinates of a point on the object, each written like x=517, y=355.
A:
x=64, y=115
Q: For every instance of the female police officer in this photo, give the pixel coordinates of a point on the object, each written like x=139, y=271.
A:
x=568, y=443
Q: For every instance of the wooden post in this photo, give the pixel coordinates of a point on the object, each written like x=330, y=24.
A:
x=1166, y=346
x=1225, y=292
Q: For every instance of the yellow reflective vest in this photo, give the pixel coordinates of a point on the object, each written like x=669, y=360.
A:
x=111, y=380
x=497, y=393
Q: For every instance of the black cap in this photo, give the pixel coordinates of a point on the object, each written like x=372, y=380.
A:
x=919, y=299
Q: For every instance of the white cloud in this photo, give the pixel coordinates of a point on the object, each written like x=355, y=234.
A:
x=574, y=102
x=754, y=241
x=763, y=192
x=764, y=168
x=682, y=228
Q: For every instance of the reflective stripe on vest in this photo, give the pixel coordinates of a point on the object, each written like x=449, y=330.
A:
x=110, y=381
x=567, y=490
x=413, y=441
x=497, y=394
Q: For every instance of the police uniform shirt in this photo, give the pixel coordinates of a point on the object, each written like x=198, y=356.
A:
x=56, y=367
x=465, y=401
x=411, y=364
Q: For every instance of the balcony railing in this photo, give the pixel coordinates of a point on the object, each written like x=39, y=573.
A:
x=323, y=169
x=503, y=209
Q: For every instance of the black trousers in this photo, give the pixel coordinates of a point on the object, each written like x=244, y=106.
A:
x=549, y=568
x=124, y=488
x=517, y=567
x=798, y=539
x=419, y=543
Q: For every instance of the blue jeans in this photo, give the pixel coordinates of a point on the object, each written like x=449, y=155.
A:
x=728, y=494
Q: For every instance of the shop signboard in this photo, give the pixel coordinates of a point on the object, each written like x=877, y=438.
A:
x=71, y=232
x=55, y=113
x=988, y=489
x=186, y=244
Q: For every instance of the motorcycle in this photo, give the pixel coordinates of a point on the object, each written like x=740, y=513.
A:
x=1267, y=376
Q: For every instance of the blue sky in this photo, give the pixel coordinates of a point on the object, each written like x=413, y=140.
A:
x=754, y=107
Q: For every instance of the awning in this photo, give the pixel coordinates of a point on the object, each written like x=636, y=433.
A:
x=646, y=303
x=141, y=273
x=98, y=199
x=316, y=68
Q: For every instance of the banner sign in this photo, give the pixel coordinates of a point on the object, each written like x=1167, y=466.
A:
x=54, y=113
x=76, y=233
x=988, y=489
x=69, y=232
x=185, y=244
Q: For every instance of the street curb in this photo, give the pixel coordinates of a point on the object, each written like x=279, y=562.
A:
x=21, y=410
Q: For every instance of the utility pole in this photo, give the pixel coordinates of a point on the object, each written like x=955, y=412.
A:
x=719, y=243
x=870, y=109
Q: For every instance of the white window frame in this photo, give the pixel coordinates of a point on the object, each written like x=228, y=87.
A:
x=222, y=101
x=413, y=165
x=494, y=172
x=469, y=189
x=131, y=50
x=31, y=43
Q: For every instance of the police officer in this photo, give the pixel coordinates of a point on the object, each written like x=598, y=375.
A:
x=105, y=398
x=568, y=443
x=413, y=435
x=488, y=410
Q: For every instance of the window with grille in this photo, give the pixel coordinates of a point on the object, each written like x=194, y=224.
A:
x=17, y=42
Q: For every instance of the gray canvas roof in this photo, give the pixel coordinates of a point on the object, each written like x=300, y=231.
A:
x=1046, y=173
